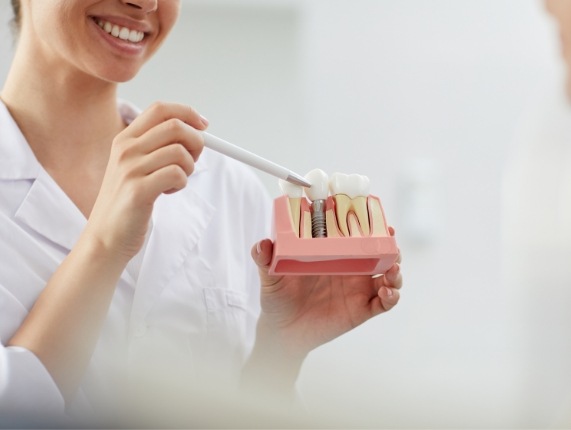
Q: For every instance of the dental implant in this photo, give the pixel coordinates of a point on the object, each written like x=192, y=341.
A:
x=318, y=193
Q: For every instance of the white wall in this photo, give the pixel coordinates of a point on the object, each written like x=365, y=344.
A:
x=442, y=82
x=381, y=87
x=6, y=42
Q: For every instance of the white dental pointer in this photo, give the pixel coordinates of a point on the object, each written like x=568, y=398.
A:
x=251, y=159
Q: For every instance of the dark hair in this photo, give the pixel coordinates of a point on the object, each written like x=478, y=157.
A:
x=17, y=13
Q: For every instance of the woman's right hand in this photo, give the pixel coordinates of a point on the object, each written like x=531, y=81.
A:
x=155, y=154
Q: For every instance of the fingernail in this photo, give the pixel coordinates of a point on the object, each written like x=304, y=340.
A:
x=389, y=292
x=204, y=120
x=259, y=248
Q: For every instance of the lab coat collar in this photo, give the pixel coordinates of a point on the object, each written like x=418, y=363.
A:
x=46, y=209
x=17, y=161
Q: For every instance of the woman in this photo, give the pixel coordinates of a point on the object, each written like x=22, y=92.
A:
x=126, y=268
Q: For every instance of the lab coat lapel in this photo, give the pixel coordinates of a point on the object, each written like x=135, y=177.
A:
x=179, y=221
x=48, y=211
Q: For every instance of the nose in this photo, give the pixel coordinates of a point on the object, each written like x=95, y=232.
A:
x=146, y=6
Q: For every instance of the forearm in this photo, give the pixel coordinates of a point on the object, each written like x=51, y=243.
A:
x=63, y=326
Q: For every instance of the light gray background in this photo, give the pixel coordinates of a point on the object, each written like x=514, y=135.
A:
x=421, y=96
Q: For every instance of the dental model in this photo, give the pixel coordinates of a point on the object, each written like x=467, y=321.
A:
x=318, y=194
x=350, y=193
x=294, y=194
x=342, y=233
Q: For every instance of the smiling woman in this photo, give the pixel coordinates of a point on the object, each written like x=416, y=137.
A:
x=135, y=269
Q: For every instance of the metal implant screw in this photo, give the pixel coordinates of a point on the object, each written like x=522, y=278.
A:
x=318, y=222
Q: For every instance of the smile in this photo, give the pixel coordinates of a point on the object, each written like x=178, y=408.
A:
x=122, y=33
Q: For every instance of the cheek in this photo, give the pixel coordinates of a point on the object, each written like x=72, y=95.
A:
x=50, y=24
x=169, y=12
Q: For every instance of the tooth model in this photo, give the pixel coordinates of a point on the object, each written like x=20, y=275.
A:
x=318, y=193
x=350, y=194
x=354, y=238
x=294, y=194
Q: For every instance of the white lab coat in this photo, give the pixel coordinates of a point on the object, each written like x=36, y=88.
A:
x=184, y=310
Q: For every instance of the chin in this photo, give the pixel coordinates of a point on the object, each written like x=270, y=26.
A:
x=116, y=73
x=119, y=77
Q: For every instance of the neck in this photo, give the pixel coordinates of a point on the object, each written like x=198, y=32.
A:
x=69, y=120
x=63, y=113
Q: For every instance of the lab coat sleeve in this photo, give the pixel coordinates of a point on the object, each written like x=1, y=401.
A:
x=27, y=390
x=26, y=387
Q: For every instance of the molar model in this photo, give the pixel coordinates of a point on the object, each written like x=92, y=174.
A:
x=342, y=233
x=350, y=194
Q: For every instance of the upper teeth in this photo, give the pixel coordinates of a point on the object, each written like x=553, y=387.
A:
x=350, y=193
x=352, y=185
x=122, y=33
x=319, y=189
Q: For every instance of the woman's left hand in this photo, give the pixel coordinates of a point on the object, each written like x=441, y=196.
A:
x=300, y=313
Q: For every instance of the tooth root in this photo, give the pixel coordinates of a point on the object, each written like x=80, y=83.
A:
x=306, y=226
x=378, y=223
x=342, y=207
x=305, y=221
x=359, y=206
x=354, y=227
x=295, y=213
x=331, y=220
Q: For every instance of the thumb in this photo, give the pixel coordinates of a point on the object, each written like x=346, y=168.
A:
x=262, y=254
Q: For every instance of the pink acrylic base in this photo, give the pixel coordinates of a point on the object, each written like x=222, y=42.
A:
x=327, y=256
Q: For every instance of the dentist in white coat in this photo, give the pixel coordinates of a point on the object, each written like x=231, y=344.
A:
x=133, y=277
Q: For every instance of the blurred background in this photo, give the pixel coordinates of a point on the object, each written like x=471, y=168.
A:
x=425, y=97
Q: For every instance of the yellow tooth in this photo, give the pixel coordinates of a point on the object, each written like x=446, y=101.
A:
x=332, y=225
x=378, y=223
x=359, y=206
x=295, y=213
x=342, y=208
x=305, y=225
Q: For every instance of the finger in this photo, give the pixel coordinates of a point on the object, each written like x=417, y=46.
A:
x=393, y=277
x=392, y=232
x=262, y=253
x=172, y=131
x=158, y=113
x=174, y=154
x=168, y=179
x=262, y=256
x=389, y=297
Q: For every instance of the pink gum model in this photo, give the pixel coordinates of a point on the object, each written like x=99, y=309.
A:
x=294, y=255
